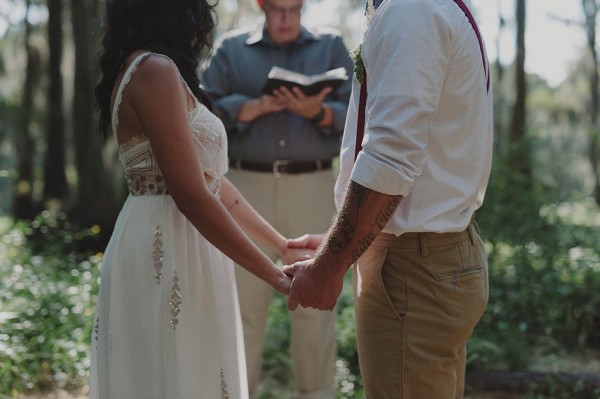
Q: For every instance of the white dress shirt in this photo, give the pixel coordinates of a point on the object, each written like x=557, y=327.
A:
x=429, y=117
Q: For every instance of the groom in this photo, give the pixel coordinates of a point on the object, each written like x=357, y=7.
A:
x=406, y=203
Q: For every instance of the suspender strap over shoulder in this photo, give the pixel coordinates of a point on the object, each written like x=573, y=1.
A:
x=469, y=16
x=360, y=125
x=362, y=104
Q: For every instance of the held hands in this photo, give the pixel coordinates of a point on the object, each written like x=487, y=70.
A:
x=298, y=249
x=301, y=248
x=313, y=285
x=281, y=282
x=311, y=241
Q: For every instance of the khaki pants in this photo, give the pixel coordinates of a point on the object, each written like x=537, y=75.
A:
x=418, y=298
x=294, y=205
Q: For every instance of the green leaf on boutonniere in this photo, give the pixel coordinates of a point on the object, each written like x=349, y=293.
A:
x=358, y=63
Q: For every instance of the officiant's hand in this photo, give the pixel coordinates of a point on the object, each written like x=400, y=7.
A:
x=256, y=107
x=296, y=101
x=313, y=285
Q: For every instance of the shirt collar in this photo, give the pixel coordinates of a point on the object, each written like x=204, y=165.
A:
x=259, y=35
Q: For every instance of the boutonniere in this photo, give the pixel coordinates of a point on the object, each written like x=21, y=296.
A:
x=358, y=63
x=356, y=54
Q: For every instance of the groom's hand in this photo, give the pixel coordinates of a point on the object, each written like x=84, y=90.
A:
x=313, y=286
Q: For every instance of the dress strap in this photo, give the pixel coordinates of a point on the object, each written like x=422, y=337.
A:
x=126, y=78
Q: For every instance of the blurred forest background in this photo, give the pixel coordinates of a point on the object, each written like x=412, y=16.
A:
x=61, y=188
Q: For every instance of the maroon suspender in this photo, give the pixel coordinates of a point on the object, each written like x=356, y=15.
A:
x=360, y=124
x=464, y=8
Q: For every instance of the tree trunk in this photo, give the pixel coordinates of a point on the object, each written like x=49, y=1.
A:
x=499, y=97
x=55, y=182
x=96, y=202
x=517, y=135
x=23, y=207
x=590, y=11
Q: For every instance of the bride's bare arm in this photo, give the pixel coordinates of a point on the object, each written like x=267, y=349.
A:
x=257, y=227
x=160, y=101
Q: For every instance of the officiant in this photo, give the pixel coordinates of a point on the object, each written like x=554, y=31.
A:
x=281, y=150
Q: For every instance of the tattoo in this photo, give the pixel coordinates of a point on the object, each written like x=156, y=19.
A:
x=362, y=195
x=364, y=244
x=344, y=231
x=386, y=214
x=235, y=202
x=343, y=235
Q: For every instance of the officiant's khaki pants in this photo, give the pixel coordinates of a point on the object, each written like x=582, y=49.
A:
x=417, y=299
x=295, y=205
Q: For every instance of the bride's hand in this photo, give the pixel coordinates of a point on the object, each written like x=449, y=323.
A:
x=282, y=283
x=292, y=255
x=307, y=241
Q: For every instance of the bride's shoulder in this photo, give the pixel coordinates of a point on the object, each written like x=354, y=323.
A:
x=153, y=62
x=152, y=69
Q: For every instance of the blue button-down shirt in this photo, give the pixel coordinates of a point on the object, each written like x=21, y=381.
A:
x=237, y=73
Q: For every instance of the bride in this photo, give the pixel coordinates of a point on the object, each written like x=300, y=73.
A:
x=167, y=322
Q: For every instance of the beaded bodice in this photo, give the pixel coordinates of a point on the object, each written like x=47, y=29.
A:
x=141, y=169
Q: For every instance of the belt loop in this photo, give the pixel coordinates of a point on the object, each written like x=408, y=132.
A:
x=276, y=165
x=470, y=227
x=423, y=244
x=470, y=231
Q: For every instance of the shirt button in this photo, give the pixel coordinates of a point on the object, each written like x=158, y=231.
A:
x=282, y=143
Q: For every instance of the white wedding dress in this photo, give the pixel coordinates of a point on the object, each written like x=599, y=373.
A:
x=167, y=322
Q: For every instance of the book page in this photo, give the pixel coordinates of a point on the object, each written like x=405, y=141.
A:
x=296, y=77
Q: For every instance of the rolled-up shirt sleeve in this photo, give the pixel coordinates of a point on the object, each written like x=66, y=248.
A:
x=406, y=67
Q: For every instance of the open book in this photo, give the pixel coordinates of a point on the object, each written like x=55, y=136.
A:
x=310, y=85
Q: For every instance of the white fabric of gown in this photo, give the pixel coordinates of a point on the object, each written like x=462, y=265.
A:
x=167, y=322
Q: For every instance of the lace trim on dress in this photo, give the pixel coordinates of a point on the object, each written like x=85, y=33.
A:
x=131, y=143
x=141, y=169
x=146, y=185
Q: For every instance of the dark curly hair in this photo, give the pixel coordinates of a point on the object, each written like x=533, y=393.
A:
x=179, y=29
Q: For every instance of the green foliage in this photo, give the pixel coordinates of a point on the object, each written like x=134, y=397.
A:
x=46, y=306
x=276, y=356
x=278, y=381
x=557, y=389
x=347, y=370
x=544, y=263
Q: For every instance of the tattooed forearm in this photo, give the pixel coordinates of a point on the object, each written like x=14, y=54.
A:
x=344, y=231
x=343, y=234
x=364, y=244
x=360, y=193
x=386, y=213
x=375, y=228
x=373, y=215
